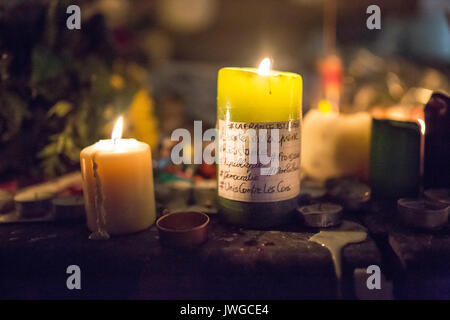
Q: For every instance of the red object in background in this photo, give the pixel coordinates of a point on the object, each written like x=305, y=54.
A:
x=123, y=40
x=207, y=171
x=10, y=186
x=437, y=142
x=72, y=191
x=331, y=74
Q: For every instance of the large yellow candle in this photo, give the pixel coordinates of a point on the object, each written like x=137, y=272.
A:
x=262, y=99
x=118, y=185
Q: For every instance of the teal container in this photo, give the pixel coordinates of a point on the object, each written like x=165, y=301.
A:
x=394, y=159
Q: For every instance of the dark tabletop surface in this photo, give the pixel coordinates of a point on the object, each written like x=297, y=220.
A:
x=233, y=263
x=419, y=260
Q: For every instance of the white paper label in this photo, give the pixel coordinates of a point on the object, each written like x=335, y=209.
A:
x=244, y=175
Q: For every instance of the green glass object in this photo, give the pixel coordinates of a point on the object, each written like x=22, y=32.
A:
x=395, y=159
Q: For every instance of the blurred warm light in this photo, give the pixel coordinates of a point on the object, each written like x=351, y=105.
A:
x=401, y=113
x=398, y=113
x=422, y=125
x=423, y=95
x=118, y=128
x=378, y=113
x=264, y=67
x=325, y=106
x=418, y=113
x=117, y=81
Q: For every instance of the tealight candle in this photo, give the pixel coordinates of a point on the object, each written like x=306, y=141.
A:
x=118, y=185
x=423, y=214
x=321, y=215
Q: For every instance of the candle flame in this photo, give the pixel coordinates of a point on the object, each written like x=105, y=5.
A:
x=264, y=67
x=422, y=126
x=118, y=128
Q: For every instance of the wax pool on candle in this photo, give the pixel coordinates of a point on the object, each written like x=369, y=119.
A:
x=118, y=186
x=262, y=99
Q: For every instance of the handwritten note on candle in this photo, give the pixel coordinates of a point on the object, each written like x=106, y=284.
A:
x=241, y=180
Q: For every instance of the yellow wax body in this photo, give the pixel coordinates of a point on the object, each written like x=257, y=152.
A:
x=245, y=96
x=124, y=173
x=336, y=145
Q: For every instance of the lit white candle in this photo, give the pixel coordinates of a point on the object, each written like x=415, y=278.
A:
x=118, y=185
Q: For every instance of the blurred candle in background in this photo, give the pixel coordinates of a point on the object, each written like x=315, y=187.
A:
x=118, y=185
x=437, y=142
x=395, y=158
x=335, y=145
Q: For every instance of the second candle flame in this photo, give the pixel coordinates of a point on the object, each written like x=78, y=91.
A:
x=264, y=67
x=118, y=128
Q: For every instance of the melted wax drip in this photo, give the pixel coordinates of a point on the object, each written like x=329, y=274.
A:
x=336, y=239
x=100, y=233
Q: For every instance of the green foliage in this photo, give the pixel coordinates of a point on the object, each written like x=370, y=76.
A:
x=13, y=111
x=56, y=94
x=60, y=109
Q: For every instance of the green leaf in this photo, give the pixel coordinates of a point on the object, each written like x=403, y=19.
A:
x=48, y=151
x=60, y=143
x=60, y=109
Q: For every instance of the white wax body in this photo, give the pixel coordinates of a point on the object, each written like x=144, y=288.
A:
x=124, y=169
x=336, y=145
